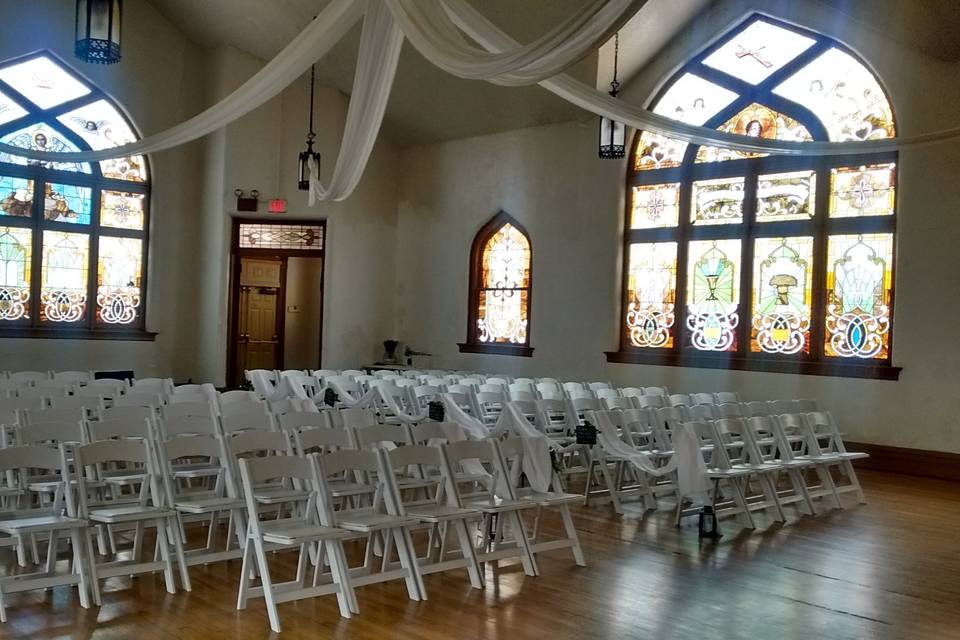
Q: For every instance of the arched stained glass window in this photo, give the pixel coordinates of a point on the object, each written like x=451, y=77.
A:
x=499, y=303
x=73, y=235
x=755, y=261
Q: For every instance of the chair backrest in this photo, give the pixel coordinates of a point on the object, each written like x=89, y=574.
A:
x=248, y=421
x=579, y=392
x=426, y=462
x=70, y=414
x=679, y=400
x=527, y=381
x=383, y=374
x=756, y=408
x=353, y=417
x=308, y=440
x=520, y=395
x=110, y=388
x=461, y=389
x=133, y=412
x=699, y=412
x=631, y=392
x=711, y=445
x=33, y=458
x=655, y=391
x=23, y=404
x=40, y=392
x=76, y=402
x=243, y=406
x=188, y=425
x=521, y=387
x=189, y=396
x=727, y=397
x=728, y=410
x=245, y=443
x=200, y=408
x=547, y=386
x=29, y=376
x=426, y=393
x=736, y=429
x=75, y=377
x=159, y=386
x=89, y=460
x=346, y=384
x=138, y=399
x=616, y=402
x=120, y=428
x=288, y=405
x=59, y=432
x=807, y=406
x=783, y=406
x=606, y=392
x=702, y=398
x=376, y=436
x=237, y=395
x=596, y=386
x=9, y=388
x=436, y=432
x=352, y=373
x=503, y=381
x=471, y=381
x=293, y=420
x=585, y=404
x=823, y=423
x=488, y=454
x=491, y=387
x=189, y=448
x=267, y=374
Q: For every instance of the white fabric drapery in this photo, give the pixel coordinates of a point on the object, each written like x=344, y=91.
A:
x=505, y=62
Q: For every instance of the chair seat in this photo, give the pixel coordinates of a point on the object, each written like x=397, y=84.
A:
x=128, y=513
x=125, y=478
x=549, y=498
x=341, y=489
x=372, y=521
x=278, y=495
x=415, y=483
x=498, y=505
x=295, y=531
x=438, y=512
x=207, y=504
x=196, y=471
x=721, y=474
x=31, y=524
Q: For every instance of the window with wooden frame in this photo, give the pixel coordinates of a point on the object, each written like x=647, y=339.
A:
x=73, y=235
x=753, y=261
x=499, y=303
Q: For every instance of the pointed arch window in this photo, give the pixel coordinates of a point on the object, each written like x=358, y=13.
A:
x=751, y=261
x=500, y=287
x=73, y=235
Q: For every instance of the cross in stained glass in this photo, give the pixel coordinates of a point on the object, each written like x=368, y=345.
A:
x=743, y=52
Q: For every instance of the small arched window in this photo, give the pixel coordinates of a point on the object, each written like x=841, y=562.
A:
x=499, y=303
x=73, y=235
x=753, y=261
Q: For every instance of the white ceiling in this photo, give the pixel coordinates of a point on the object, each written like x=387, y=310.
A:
x=427, y=105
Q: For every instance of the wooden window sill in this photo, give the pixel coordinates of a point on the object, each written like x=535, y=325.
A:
x=739, y=363
x=77, y=333
x=499, y=349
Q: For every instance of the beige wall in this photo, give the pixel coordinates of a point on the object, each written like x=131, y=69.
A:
x=158, y=83
x=572, y=205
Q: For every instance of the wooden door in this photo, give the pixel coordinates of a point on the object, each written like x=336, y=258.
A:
x=259, y=338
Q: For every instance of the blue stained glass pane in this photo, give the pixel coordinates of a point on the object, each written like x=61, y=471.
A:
x=67, y=203
x=16, y=196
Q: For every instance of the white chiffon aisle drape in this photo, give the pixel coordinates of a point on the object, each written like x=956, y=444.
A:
x=501, y=60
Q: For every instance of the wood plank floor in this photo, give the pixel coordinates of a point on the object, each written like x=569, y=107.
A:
x=889, y=569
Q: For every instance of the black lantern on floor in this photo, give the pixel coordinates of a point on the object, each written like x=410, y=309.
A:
x=307, y=154
x=98, y=31
x=613, y=134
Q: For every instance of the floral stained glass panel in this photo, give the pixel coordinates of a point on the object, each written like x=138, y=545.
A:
x=63, y=284
x=15, y=254
x=782, y=294
x=651, y=294
x=655, y=206
x=67, y=203
x=119, y=262
x=658, y=152
x=16, y=197
x=756, y=121
x=786, y=196
x=121, y=210
x=10, y=110
x=859, y=288
x=758, y=51
x=305, y=237
x=862, y=191
x=713, y=294
x=717, y=201
x=505, y=280
x=844, y=95
x=41, y=137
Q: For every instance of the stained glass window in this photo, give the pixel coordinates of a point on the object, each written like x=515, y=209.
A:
x=63, y=284
x=784, y=262
x=15, y=256
x=786, y=196
x=862, y=191
x=713, y=294
x=718, y=201
x=306, y=237
x=88, y=223
x=782, y=293
x=656, y=206
x=16, y=197
x=651, y=294
x=859, y=289
x=500, y=287
x=118, y=279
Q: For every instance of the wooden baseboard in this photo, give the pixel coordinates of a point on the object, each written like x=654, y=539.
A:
x=913, y=462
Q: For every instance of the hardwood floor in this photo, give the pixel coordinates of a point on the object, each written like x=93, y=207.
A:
x=888, y=569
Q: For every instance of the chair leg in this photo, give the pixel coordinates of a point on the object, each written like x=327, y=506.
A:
x=571, y=532
x=181, y=559
x=164, y=547
x=523, y=545
x=92, y=566
x=852, y=476
x=340, y=575
x=466, y=547
x=267, y=583
x=80, y=566
x=245, y=574
x=741, y=502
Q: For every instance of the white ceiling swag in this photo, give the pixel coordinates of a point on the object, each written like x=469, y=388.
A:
x=434, y=27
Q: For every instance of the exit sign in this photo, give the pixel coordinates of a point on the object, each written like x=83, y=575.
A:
x=277, y=205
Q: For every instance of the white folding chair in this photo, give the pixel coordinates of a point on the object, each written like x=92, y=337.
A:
x=680, y=400
x=702, y=398
x=727, y=397
x=309, y=527
x=30, y=377
x=78, y=378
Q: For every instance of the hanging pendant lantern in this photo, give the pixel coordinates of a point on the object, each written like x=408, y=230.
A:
x=613, y=134
x=98, y=31
x=307, y=154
